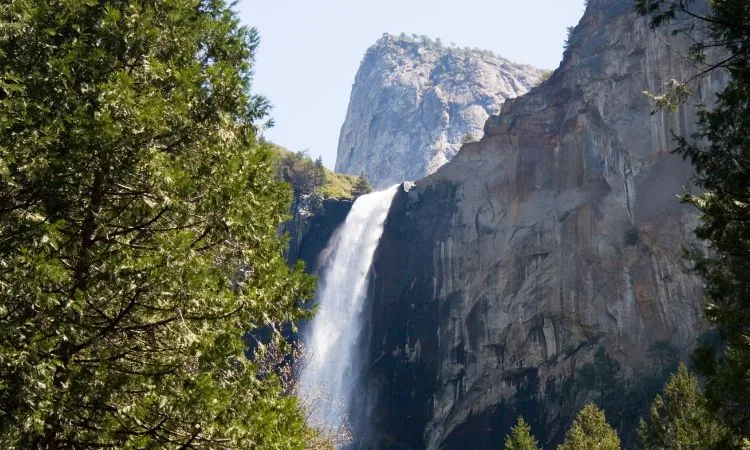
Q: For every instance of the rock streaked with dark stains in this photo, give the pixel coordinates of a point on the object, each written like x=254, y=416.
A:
x=414, y=102
x=560, y=232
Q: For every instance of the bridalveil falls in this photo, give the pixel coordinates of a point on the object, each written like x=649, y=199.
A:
x=329, y=375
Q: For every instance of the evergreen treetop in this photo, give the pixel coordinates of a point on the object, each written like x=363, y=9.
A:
x=590, y=431
x=520, y=437
x=362, y=186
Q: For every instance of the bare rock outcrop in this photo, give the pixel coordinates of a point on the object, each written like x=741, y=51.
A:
x=415, y=102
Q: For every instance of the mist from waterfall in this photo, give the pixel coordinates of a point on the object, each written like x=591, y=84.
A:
x=329, y=375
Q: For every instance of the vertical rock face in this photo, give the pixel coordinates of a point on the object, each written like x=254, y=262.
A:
x=311, y=228
x=559, y=234
x=414, y=102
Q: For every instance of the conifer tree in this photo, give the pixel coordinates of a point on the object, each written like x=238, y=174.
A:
x=680, y=418
x=320, y=173
x=133, y=189
x=362, y=186
x=520, y=437
x=590, y=431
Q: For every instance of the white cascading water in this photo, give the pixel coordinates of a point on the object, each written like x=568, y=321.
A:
x=328, y=377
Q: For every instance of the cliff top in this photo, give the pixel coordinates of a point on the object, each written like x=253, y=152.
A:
x=415, y=41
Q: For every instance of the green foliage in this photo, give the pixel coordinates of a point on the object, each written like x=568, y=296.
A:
x=338, y=185
x=675, y=94
x=309, y=177
x=590, y=431
x=680, y=418
x=305, y=176
x=132, y=189
x=721, y=159
x=520, y=437
x=362, y=186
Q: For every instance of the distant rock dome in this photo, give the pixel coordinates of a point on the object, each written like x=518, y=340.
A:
x=415, y=102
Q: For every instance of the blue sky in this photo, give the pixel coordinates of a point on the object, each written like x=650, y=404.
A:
x=310, y=50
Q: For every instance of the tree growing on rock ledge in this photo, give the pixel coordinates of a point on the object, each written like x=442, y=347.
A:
x=132, y=188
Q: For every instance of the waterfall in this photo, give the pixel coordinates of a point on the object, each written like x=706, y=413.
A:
x=328, y=377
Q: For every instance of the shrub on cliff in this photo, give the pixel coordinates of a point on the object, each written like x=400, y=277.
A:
x=308, y=177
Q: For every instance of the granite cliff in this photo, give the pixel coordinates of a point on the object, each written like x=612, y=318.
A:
x=414, y=102
x=311, y=227
x=541, y=267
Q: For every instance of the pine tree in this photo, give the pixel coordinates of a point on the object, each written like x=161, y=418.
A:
x=590, y=431
x=520, y=437
x=362, y=186
x=721, y=159
x=319, y=174
x=132, y=190
x=680, y=418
